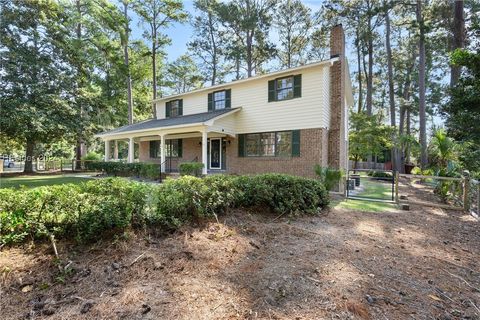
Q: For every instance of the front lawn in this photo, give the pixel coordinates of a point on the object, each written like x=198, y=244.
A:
x=32, y=181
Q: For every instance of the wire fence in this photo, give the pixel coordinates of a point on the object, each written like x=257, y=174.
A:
x=370, y=184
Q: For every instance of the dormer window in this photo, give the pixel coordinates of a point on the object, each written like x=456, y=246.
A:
x=219, y=100
x=174, y=108
x=285, y=88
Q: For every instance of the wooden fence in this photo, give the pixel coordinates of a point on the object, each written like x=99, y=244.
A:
x=456, y=193
x=366, y=165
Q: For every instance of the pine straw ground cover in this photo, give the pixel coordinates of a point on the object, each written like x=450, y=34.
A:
x=341, y=264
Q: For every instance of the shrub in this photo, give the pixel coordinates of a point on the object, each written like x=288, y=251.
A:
x=282, y=193
x=330, y=177
x=93, y=156
x=122, y=169
x=418, y=171
x=380, y=174
x=107, y=206
x=191, y=169
x=84, y=211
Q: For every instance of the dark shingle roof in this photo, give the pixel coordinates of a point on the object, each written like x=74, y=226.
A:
x=168, y=122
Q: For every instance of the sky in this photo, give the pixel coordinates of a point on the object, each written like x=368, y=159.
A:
x=181, y=34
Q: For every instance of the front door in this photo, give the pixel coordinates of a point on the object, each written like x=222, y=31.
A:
x=215, y=153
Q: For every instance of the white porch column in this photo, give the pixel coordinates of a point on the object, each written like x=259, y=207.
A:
x=131, y=150
x=115, y=150
x=162, y=151
x=107, y=150
x=204, y=152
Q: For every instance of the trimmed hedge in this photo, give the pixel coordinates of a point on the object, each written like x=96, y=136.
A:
x=108, y=206
x=122, y=169
x=190, y=169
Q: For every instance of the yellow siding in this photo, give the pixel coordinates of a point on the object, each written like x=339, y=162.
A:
x=258, y=115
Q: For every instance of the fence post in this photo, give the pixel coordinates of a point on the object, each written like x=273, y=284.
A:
x=466, y=190
x=397, y=176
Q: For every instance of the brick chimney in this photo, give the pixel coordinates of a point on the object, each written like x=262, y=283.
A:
x=337, y=138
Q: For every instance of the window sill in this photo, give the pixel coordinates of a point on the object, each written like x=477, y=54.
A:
x=285, y=99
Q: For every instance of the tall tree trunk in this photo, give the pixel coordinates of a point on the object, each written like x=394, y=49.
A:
x=214, y=48
x=370, y=63
x=154, y=75
x=391, y=93
x=360, y=89
x=421, y=88
x=458, y=38
x=237, y=67
x=81, y=146
x=249, y=55
x=28, y=168
x=408, y=132
x=127, y=66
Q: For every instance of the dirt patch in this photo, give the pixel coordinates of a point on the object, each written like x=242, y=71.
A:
x=420, y=264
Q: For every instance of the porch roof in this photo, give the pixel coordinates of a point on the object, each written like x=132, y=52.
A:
x=158, y=124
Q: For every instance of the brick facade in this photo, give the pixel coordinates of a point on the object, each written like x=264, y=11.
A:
x=313, y=150
x=337, y=145
x=313, y=143
x=191, y=149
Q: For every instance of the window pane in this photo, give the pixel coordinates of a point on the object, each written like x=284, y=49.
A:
x=174, y=108
x=171, y=148
x=285, y=94
x=252, y=144
x=284, y=144
x=219, y=95
x=219, y=105
x=267, y=143
x=219, y=100
x=285, y=83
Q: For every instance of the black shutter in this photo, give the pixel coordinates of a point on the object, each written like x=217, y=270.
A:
x=180, y=148
x=180, y=107
x=271, y=90
x=241, y=145
x=297, y=86
x=167, y=109
x=228, y=98
x=296, y=143
x=210, y=102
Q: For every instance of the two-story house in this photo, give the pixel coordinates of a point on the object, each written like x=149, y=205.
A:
x=286, y=122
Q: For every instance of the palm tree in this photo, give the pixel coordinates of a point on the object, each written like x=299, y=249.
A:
x=442, y=149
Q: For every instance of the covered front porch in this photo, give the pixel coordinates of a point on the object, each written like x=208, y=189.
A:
x=170, y=142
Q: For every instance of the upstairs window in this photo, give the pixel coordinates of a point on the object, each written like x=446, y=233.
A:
x=174, y=108
x=285, y=88
x=219, y=100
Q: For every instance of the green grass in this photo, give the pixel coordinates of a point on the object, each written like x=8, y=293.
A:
x=364, y=205
x=375, y=189
x=33, y=181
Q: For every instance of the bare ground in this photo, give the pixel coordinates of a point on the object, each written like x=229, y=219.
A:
x=418, y=264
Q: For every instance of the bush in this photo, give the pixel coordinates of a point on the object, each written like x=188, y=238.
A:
x=282, y=193
x=418, y=171
x=380, y=174
x=191, y=169
x=84, y=211
x=93, y=156
x=330, y=177
x=122, y=169
x=108, y=206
